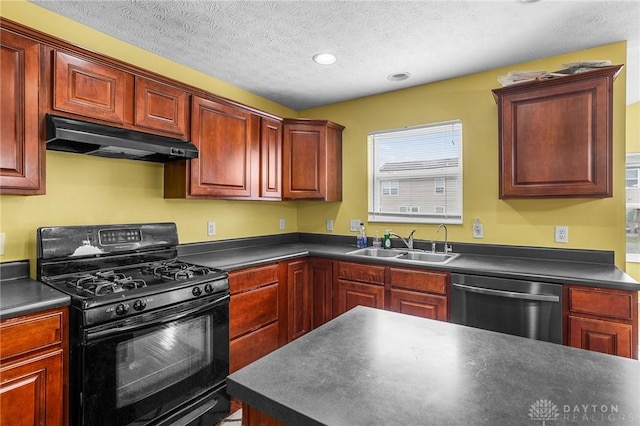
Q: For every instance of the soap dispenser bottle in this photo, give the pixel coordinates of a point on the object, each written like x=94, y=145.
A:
x=361, y=240
x=386, y=239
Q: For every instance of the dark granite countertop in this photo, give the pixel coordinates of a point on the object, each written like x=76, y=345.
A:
x=374, y=367
x=548, y=265
x=20, y=295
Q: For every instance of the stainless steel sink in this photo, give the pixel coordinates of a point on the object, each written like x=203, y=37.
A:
x=376, y=252
x=422, y=256
x=408, y=255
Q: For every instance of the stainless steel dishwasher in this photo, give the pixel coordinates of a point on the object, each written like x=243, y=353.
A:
x=522, y=308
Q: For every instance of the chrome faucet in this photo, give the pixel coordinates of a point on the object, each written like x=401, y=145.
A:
x=408, y=242
x=447, y=248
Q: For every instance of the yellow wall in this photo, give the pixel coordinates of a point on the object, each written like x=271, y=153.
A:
x=633, y=145
x=593, y=223
x=85, y=190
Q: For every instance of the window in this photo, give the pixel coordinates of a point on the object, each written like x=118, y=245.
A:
x=390, y=187
x=415, y=174
x=633, y=207
x=633, y=177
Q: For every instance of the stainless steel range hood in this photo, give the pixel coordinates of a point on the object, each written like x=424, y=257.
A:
x=68, y=135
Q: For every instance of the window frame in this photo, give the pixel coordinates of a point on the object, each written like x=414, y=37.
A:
x=443, y=159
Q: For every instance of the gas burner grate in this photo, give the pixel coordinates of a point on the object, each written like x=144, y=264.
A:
x=176, y=270
x=105, y=282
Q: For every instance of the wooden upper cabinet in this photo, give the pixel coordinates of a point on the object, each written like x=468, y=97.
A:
x=312, y=160
x=90, y=89
x=227, y=141
x=159, y=106
x=270, y=159
x=21, y=154
x=555, y=136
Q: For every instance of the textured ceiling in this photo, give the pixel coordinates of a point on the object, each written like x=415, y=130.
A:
x=266, y=47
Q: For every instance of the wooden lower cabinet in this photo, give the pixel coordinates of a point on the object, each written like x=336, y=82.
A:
x=419, y=292
x=419, y=304
x=254, y=314
x=601, y=320
x=33, y=370
x=299, y=299
x=360, y=284
x=254, y=417
x=321, y=281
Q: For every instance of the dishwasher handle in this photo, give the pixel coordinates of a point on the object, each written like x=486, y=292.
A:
x=510, y=294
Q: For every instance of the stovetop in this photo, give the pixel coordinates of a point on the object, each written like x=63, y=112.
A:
x=133, y=281
x=113, y=272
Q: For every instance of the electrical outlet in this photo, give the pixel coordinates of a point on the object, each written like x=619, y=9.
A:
x=329, y=224
x=354, y=225
x=478, y=229
x=281, y=224
x=562, y=234
x=211, y=229
x=2, y=240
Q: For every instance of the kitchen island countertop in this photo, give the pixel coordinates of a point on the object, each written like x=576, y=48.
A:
x=371, y=366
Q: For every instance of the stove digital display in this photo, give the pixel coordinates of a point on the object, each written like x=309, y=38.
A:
x=119, y=236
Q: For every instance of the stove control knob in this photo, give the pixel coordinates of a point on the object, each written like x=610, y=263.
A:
x=122, y=309
x=139, y=305
x=197, y=291
x=208, y=288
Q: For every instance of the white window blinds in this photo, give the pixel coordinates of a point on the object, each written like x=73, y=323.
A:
x=423, y=165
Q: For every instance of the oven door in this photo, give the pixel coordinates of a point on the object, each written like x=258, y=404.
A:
x=156, y=367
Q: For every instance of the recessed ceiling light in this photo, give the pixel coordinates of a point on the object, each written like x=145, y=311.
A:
x=324, y=58
x=398, y=76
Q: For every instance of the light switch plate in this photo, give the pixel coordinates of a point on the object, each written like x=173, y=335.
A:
x=354, y=225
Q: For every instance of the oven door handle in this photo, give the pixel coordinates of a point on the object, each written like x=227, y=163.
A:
x=101, y=334
x=509, y=294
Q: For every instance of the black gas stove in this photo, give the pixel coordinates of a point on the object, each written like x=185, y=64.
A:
x=149, y=334
x=114, y=271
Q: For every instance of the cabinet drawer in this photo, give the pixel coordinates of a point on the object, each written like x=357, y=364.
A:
x=362, y=272
x=415, y=279
x=252, y=309
x=250, y=347
x=243, y=280
x=27, y=334
x=617, y=304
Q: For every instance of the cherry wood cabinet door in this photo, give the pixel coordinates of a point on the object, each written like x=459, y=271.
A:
x=161, y=107
x=31, y=392
x=21, y=154
x=226, y=138
x=312, y=160
x=321, y=277
x=597, y=335
x=555, y=136
x=299, y=299
x=270, y=159
x=34, y=368
x=353, y=293
x=419, y=304
x=601, y=319
x=90, y=89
